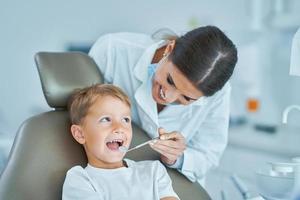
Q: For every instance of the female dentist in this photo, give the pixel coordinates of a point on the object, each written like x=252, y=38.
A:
x=178, y=89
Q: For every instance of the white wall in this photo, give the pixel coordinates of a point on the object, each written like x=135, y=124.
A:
x=34, y=25
x=31, y=26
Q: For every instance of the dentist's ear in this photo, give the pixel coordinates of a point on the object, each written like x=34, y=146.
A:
x=170, y=47
x=77, y=133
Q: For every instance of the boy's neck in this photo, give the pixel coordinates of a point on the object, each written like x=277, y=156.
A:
x=103, y=165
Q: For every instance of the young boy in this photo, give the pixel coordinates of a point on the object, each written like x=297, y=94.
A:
x=100, y=117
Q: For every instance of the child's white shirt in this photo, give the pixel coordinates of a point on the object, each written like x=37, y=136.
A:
x=147, y=180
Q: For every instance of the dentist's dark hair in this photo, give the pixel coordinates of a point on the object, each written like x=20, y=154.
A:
x=206, y=56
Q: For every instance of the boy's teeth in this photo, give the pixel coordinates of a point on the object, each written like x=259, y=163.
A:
x=117, y=141
x=115, y=144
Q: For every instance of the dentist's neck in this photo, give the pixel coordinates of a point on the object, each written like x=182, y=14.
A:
x=158, y=54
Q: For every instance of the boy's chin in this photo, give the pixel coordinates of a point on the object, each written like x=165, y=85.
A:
x=116, y=163
x=114, y=160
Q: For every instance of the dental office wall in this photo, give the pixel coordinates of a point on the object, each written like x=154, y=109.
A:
x=31, y=26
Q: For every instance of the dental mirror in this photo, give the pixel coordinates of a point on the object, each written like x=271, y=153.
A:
x=123, y=149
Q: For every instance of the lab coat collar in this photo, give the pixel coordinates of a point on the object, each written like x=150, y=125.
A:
x=143, y=97
x=189, y=108
x=140, y=70
x=143, y=94
x=199, y=102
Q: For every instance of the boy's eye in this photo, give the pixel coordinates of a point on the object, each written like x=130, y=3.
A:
x=105, y=119
x=126, y=119
x=170, y=80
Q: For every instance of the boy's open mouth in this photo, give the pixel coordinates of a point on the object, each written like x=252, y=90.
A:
x=114, y=144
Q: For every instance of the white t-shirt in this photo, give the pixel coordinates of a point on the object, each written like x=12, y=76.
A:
x=147, y=180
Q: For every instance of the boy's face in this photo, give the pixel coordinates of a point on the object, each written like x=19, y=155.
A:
x=106, y=127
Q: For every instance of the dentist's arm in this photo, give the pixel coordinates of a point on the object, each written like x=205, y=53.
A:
x=205, y=148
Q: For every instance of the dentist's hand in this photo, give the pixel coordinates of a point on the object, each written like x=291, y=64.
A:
x=170, y=146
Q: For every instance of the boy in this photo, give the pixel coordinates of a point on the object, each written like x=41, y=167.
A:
x=100, y=117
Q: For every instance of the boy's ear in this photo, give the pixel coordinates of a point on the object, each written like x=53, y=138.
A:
x=77, y=133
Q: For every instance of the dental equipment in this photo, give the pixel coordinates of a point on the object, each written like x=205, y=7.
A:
x=243, y=189
x=286, y=112
x=125, y=149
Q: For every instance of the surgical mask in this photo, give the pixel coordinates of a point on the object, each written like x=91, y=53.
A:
x=151, y=71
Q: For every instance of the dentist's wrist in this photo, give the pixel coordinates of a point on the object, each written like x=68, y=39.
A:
x=177, y=163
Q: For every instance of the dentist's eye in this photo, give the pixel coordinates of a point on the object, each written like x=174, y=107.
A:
x=105, y=119
x=126, y=120
x=170, y=80
x=187, y=98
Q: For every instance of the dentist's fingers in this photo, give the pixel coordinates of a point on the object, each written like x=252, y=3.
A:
x=172, y=144
x=172, y=140
x=168, y=154
x=170, y=157
x=166, y=160
x=172, y=136
x=167, y=136
x=161, y=131
x=167, y=150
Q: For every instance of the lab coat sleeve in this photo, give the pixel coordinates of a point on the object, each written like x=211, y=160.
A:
x=77, y=186
x=207, y=145
x=102, y=54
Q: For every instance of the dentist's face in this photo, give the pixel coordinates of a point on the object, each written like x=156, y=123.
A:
x=106, y=127
x=169, y=85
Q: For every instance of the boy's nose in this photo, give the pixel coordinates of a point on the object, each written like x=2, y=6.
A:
x=118, y=128
x=117, y=132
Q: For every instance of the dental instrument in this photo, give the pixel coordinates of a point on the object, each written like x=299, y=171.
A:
x=125, y=149
x=243, y=189
x=223, y=195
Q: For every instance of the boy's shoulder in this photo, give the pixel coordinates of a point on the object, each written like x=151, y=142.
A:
x=78, y=177
x=76, y=171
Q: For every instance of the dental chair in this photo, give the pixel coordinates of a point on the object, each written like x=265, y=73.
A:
x=44, y=149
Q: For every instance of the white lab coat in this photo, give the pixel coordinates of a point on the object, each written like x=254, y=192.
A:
x=123, y=58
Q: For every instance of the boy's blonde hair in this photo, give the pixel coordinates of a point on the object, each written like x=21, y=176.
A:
x=81, y=100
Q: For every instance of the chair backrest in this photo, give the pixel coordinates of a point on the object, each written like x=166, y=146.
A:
x=44, y=149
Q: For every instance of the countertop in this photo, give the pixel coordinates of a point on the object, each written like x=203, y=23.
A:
x=285, y=141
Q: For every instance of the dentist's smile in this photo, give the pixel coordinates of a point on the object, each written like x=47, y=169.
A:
x=162, y=94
